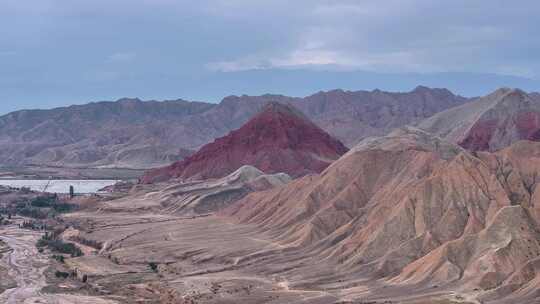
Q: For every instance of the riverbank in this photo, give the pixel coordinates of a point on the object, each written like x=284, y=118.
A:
x=48, y=172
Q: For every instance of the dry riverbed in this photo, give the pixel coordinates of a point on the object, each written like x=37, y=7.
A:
x=24, y=268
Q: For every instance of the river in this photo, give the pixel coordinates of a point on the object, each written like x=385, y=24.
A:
x=58, y=186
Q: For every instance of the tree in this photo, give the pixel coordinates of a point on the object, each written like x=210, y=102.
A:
x=71, y=191
x=153, y=266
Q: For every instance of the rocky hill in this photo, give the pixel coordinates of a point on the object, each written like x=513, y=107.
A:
x=131, y=133
x=278, y=139
x=490, y=123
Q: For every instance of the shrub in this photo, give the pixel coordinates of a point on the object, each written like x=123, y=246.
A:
x=44, y=201
x=33, y=213
x=61, y=274
x=90, y=243
x=55, y=244
x=63, y=207
x=153, y=266
x=66, y=248
x=40, y=207
x=33, y=225
x=59, y=258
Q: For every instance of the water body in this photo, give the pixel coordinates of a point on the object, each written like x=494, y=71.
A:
x=59, y=186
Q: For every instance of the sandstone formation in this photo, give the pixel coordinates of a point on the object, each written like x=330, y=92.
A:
x=416, y=211
x=278, y=139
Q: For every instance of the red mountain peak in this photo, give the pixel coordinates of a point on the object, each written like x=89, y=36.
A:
x=277, y=139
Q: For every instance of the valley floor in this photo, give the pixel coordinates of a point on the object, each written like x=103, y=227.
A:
x=197, y=260
x=211, y=260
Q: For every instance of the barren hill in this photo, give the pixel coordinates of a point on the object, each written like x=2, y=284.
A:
x=278, y=139
x=197, y=198
x=417, y=212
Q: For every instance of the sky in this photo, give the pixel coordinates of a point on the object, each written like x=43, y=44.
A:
x=62, y=52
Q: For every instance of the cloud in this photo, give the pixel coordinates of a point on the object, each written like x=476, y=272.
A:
x=393, y=62
x=518, y=71
x=295, y=59
x=55, y=44
x=403, y=36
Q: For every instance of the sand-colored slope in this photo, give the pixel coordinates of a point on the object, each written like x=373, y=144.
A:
x=197, y=197
x=412, y=209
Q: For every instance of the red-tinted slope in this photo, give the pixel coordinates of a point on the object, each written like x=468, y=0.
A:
x=524, y=125
x=490, y=123
x=277, y=139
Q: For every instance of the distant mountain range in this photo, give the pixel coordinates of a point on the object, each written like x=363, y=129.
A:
x=131, y=133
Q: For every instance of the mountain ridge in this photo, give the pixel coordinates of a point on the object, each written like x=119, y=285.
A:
x=103, y=134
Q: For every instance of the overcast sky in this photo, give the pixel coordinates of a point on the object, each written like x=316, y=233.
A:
x=60, y=52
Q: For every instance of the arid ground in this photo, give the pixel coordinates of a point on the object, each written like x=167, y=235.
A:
x=156, y=258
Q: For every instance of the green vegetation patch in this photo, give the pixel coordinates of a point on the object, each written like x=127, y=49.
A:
x=52, y=242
